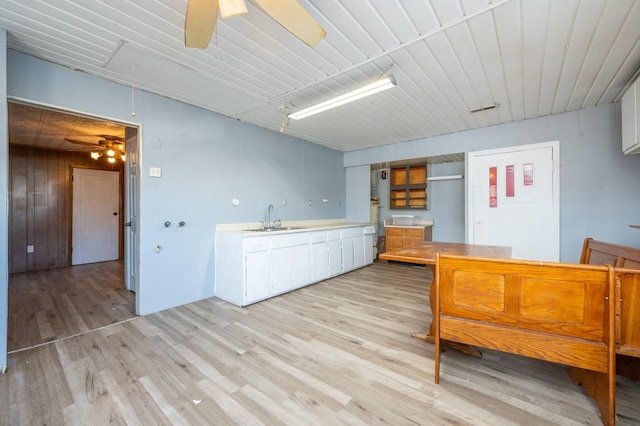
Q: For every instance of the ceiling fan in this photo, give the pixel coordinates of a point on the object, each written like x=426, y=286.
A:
x=202, y=16
x=109, y=145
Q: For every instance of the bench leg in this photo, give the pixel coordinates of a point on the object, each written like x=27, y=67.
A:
x=600, y=387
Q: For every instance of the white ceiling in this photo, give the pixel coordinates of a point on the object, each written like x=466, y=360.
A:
x=532, y=57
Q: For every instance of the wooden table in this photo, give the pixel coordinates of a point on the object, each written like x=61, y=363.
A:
x=424, y=253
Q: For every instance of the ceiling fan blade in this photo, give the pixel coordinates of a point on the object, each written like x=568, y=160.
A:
x=295, y=19
x=200, y=22
x=111, y=137
x=230, y=8
x=80, y=142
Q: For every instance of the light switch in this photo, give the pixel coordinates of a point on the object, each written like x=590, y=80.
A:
x=155, y=171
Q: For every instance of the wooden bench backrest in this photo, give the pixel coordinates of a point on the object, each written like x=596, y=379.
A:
x=556, y=312
x=498, y=303
x=627, y=263
x=596, y=252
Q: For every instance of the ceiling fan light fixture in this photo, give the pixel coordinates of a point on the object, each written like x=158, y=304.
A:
x=123, y=157
x=95, y=155
x=368, y=90
x=229, y=8
x=111, y=153
x=111, y=160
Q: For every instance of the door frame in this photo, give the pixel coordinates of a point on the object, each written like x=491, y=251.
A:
x=132, y=245
x=469, y=163
x=137, y=128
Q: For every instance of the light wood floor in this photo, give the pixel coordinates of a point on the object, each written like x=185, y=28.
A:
x=337, y=352
x=56, y=303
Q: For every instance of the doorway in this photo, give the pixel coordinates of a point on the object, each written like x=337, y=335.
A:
x=38, y=141
x=514, y=200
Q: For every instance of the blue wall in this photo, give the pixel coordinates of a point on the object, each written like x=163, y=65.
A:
x=599, y=192
x=206, y=161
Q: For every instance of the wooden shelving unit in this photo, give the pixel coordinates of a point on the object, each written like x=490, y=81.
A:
x=409, y=188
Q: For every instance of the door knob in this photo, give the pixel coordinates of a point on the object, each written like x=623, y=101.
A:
x=127, y=224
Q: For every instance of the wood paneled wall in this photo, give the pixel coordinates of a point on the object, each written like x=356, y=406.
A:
x=40, y=206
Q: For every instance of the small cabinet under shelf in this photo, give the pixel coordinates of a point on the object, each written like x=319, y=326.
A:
x=400, y=236
x=409, y=188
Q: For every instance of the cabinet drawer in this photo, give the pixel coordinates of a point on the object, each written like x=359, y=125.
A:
x=414, y=232
x=351, y=232
x=289, y=240
x=333, y=234
x=394, y=232
x=255, y=244
x=318, y=237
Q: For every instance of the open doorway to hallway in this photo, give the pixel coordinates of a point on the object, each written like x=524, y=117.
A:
x=48, y=298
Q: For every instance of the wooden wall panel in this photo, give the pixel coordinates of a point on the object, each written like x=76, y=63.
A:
x=40, y=206
x=17, y=210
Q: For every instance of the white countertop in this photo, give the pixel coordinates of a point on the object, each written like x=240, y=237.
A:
x=300, y=225
x=417, y=223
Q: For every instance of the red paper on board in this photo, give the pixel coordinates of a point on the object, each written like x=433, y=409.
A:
x=510, y=180
x=527, y=171
x=493, y=187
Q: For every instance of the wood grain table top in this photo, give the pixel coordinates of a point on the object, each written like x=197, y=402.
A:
x=424, y=252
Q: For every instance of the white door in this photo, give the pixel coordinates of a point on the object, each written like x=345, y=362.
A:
x=131, y=246
x=96, y=210
x=514, y=200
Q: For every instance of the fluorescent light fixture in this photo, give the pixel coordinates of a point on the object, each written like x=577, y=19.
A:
x=450, y=177
x=484, y=108
x=369, y=89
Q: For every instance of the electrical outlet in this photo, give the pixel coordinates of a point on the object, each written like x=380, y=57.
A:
x=30, y=249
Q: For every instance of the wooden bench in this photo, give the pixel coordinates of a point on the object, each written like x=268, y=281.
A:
x=557, y=312
x=627, y=299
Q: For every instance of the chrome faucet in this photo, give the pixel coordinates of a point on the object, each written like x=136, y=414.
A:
x=269, y=210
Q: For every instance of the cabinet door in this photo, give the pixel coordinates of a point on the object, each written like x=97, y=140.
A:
x=368, y=249
x=282, y=269
x=412, y=236
x=358, y=252
x=319, y=261
x=347, y=254
x=257, y=282
x=394, y=239
x=335, y=257
x=290, y=268
x=301, y=265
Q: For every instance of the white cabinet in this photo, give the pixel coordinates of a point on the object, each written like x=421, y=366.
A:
x=335, y=252
x=242, y=268
x=319, y=256
x=352, y=248
x=254, y=267
x=630, y=109
x=257, y=284
x=290, y=262
x=368, y=249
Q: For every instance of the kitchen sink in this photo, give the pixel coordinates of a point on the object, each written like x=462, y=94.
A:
x=273, y=229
